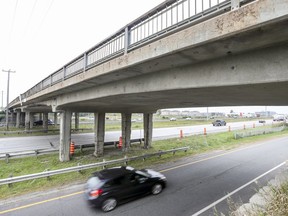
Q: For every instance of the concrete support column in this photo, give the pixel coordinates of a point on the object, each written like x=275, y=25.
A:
x=148, y=129
x=18, y=118
x=99, y=129
x=65, y=135
x=76, y=114
x=14, y=118
x=126, y=130
x=27, y=120
x=31, y=120
x=22, y=118
x=45, y=121
x=55, y=118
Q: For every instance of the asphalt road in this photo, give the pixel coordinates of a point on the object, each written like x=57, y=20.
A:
x=20, y=144
x=195, y=185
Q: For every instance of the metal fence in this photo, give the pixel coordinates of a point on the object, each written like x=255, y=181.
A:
x=258, y=132
x=79, y=168
x=166, y=18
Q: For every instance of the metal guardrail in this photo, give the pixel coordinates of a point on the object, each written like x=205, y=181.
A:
x=41, y=130
x=36, y=152
x=166, y=18
x=79, y=168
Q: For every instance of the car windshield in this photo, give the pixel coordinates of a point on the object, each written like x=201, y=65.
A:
x=143, y=173
x=94, y=182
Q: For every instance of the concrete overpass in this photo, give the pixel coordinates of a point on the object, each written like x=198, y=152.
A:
x=231, y=53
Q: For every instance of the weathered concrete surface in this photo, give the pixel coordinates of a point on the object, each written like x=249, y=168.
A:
x=148, y=129
x=253, y=78
x=225, y=60
x=65, y=135
x=99, y=122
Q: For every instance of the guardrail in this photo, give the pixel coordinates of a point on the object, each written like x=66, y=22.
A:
x=166, y=18
x=79, y=168
x=41, y=130
x=36, y=152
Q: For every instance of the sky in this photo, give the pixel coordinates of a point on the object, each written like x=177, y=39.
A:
x=39, y=37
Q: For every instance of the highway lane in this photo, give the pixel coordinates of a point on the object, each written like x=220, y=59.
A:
x=19, y=144
x=193, y=184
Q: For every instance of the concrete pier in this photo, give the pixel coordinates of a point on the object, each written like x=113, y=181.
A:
x=65, y=135
x=126, y=130
x=148, y=129
x=99, y=129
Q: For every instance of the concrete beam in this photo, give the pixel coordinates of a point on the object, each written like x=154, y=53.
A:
x=258, y=77
x=65, y=135
x=126, y=131
x=148, y=129
x=99, y=129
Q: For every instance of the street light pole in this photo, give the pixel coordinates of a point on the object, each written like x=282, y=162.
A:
x=7, y=105
x=2, y=102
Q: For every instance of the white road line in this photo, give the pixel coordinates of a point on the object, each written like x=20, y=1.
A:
x=235, y=191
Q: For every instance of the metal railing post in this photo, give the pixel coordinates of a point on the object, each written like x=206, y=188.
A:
x=235, y=4
x=64, y=73
x=84, y=62
x=127, y=40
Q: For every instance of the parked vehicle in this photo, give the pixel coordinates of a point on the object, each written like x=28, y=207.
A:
x=278, y=117
x=219, y=123
x=40, y=122
x=262, y=121
x=110, y=187
x=172, y=119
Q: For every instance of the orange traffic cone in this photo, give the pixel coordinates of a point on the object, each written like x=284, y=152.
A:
x=72, y=148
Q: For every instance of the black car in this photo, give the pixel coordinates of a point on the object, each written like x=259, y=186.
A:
x=40, y=122
x=110, y=187
x=219, y=123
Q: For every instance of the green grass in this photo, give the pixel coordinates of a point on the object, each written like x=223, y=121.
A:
x=29, y=165
x=275, y=198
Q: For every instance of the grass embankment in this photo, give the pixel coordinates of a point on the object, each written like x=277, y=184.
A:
x=29, y=165
x=274, y=202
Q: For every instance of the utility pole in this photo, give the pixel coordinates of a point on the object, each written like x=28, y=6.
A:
x=2, y=102
x=7, y=105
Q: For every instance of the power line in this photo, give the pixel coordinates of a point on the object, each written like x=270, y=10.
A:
x=13, y=20
x=45, y=15
x=30, y=17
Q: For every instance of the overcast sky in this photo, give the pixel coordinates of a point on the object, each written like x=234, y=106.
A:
x=38, y=37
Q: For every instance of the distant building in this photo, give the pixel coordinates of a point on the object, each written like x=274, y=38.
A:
x=265, y=113
x=188, y=113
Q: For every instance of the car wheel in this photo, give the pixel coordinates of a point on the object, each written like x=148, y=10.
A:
x=156, y=189
x=109, y=204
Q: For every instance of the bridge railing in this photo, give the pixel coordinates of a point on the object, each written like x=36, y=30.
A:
x=164, y=19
